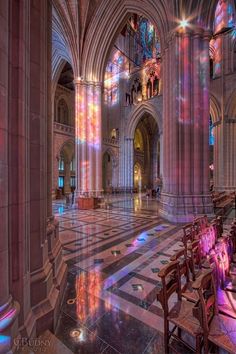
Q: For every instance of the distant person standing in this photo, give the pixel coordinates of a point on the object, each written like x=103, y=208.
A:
x=72, y=198
x=159, y=185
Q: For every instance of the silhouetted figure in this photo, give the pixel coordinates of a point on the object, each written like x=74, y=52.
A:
x=73, y=198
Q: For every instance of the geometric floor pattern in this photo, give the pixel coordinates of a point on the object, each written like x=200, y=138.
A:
x=113, y=259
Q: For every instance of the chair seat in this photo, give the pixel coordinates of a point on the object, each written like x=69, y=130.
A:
x=181, y=315
x=227, y=302
x=230, y=286
x=189, y=294
x=223, y=333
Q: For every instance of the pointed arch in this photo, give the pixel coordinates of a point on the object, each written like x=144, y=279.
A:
x=64, y=36
x=136, y=114
x=231, y=106
x=114, y=157
x=98, y=41
x=215, y=109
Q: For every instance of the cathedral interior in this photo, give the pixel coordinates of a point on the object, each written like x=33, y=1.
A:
x=118, y=176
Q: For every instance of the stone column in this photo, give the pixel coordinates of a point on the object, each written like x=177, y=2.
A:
x=161, y=154
x=185, y=132
x=44, y=247
x=225, y=127
x=59, y=267
x=129, y=164
x=88, y=138
x=67, y=189
x=55, y=173
x=225, y=155
x=8, y=308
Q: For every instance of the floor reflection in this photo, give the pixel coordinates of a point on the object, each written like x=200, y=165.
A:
x=113, y=255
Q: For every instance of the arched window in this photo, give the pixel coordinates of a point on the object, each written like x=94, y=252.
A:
x=224, y=20
x=211, y=68
x=224, y=15
x=211, y=132
x=61, y=164
x=113, y=134
x=72, y=164
x=62, y=112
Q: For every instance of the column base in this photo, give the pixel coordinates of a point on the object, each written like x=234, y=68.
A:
x=225, y=189
x=59, y=267
x=42, y=316
x=47, y=288
x=88, y=202
x=45, y=301
x=183, y=209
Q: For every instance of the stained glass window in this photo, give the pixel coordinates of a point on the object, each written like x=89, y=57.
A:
x=224, y=15
x=60, y=181
x=211, y=132
x=135, y=56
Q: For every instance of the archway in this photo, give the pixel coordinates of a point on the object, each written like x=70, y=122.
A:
x=107, y=172
x=64, y=133
x=132, y=88
x=146, y=154
x=66, y=169
x=138, y=177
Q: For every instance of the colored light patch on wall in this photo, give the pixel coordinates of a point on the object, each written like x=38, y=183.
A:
x=87, y=130
x=116, y=69
x=217, y=57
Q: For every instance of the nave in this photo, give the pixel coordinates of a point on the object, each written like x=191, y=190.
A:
x=114, y=257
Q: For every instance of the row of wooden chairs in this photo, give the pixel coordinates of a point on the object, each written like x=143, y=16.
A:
x=199, y=319
x=192, y=231
x=193, y=279
x=223, y=203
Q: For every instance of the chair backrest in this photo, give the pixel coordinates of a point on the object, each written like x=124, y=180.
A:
x=206, y=307
x=189, y=234
x=181, y=256
x=170, y=283
x=219, y=226
x=194, y=259
x=232, y=234
x=200, y=223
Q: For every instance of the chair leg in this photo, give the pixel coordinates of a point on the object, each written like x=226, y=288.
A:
x=179, y=332
x=198, y=345
x=166, y=336
x=206, y=349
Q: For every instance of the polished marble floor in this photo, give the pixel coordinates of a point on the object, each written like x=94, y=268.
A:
x=113, y=258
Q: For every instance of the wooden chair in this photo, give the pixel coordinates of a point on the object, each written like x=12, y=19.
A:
x=220, y=229
x=189, y=234
x=195, y=262
x=233, y=237
x=180, y=315
x=184, y=272
x=217, y=329
x=200, y=224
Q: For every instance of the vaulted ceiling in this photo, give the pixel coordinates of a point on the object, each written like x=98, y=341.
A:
x=76, y=23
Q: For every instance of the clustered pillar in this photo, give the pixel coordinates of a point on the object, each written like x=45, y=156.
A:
x=29, y=232
x=9, y=309
x=88, y=138
x=186, y=126
x=225, y=155
x=129, y=164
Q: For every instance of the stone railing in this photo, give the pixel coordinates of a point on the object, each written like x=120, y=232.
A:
x=64, y=129
x=110, y=141
x=155, y=101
